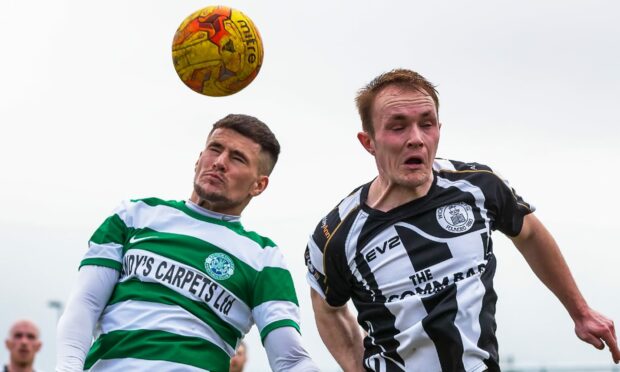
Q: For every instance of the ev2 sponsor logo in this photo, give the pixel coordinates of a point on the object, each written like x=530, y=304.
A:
x=382, y=248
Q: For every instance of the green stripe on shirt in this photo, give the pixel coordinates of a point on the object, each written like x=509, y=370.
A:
x=234, y=226
x=158, y=345
x=112, y=230
x=273, y=284
x=276, y=325
x=192, y=251
x=153, y=292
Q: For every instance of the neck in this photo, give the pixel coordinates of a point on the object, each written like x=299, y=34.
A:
x=14, y=367
x=384, y=195
x=222, y=207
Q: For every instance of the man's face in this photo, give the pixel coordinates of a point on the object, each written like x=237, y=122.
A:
x=23, y=343
x=228, y=172
x=406, y=137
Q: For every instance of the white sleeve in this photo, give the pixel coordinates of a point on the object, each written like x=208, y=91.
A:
x=285, y=353
x=76, y=325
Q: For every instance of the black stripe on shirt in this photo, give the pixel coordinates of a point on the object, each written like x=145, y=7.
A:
x=439, y=325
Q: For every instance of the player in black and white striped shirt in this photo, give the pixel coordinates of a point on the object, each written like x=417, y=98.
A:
x=412, y=249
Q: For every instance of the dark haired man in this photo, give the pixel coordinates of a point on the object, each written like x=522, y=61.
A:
x=412, y=249
x=176, y=285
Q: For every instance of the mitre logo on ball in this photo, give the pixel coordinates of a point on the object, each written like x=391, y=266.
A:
x=217, y=51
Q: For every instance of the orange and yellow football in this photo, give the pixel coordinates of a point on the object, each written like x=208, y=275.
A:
x=217, y=51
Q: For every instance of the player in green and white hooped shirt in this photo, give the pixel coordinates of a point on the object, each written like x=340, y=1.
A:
x=176, y=285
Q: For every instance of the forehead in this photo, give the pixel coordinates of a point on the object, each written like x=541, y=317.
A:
x=24, y=327
x=233, y=139
x=395, y=100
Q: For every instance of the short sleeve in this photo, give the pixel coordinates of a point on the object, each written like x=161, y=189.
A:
x=328, y=272
x=105, y=247
x=274, y=300
x=511, y=208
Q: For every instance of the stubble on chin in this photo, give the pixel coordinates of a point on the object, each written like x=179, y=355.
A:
x=209, y=197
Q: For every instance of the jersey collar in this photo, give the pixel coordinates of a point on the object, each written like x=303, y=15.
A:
x=205, y=212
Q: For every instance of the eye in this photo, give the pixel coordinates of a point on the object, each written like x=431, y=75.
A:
x=214, y=149
x=239, y=158
x=396, y=127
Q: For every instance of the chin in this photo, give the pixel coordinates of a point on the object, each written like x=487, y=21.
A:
x=415, y=181
x=208, y=193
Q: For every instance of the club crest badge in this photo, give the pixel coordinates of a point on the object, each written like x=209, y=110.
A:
x=219, y=266
x=455, y=218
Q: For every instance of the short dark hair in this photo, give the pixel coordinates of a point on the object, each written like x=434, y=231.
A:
x=254, y=129
x=400, y=77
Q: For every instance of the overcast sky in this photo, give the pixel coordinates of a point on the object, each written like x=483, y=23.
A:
x=92, y=112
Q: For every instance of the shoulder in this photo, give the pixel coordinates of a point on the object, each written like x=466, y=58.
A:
x=456, y=166
x=155, y=202
x=262, y=241
x=352, y=201
x=476, y=173
x=148, y=203
x=132, y=207
x=333, y=220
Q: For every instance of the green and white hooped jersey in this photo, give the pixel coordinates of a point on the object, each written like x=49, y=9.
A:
x=191, y=286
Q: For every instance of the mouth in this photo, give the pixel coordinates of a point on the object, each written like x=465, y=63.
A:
x=414, y=160
x=215, y=176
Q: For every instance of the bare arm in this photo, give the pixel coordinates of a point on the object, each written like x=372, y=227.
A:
x=340, y=333
x=544, y=257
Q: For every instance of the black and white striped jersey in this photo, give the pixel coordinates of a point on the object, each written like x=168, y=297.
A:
x=420, y=275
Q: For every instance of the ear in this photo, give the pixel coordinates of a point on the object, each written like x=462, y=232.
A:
x=37, y=346
x=366, y=142
x=197, y=160
x=259, y=185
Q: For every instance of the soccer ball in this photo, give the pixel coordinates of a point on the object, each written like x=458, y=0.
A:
x=217, y=51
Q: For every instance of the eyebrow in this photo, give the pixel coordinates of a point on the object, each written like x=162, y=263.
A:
x=239, y=153
x=214, y=144
x=29, y=334
x=400, y=116
x=233, y=152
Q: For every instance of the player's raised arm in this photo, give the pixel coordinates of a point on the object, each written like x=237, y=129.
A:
x=339, y=332
x=544, y=257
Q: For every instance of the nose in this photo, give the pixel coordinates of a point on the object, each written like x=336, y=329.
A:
x=219, y=163
x=415, y=137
